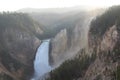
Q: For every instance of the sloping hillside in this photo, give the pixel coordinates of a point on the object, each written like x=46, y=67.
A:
x=18, y=44
x=54, y=20
x=100, y=60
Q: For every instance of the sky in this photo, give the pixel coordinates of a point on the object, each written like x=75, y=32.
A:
x=13, y=5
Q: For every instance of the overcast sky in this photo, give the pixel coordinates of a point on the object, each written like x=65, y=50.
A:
x=12, y=5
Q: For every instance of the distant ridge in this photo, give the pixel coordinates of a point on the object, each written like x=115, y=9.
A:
x=52, y=10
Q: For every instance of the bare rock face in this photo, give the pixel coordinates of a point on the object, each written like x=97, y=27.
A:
x=69, y=41
x=18, y=45
x=17, y=53
x=101, y=69
x=80, y=32
x=59, y=46
x=106, y=61
x=109, y=39
x=104, y=41
x=21, y=45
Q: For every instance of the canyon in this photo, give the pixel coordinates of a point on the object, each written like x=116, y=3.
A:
x=94, y=34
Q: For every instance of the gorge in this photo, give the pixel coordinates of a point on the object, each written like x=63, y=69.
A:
x=78, y=44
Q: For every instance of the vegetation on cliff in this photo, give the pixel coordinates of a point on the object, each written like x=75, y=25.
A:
x=5, y=77
x=54, y=22
x=72, y=69
x=103, y=22
x=76, y=69
x=97, y=33
x=20, y=21
x=13, y=66
x=17, y=32
x=118, y=73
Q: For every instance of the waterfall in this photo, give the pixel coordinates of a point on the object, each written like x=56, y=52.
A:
x=41, y=62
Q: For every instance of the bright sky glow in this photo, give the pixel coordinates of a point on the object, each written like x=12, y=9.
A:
x=12, y=5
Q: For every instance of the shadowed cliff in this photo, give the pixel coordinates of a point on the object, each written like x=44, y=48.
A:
x=18, y=45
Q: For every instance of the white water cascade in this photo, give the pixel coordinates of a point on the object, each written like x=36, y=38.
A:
x=41, y=62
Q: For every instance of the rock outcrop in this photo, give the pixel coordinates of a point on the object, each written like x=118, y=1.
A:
x=18, y=45
x=69, y=41
x=104, y=42
x=59, y=46
x=103, y=67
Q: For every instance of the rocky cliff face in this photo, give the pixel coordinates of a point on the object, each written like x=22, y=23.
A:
x=69, y=41
x=106, y=63
x=18, y=45
x=59, y=46
x=103, y=42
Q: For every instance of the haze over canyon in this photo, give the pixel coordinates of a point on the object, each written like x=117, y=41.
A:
x=72, y=43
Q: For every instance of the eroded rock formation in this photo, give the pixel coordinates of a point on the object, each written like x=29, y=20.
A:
x=18, y=45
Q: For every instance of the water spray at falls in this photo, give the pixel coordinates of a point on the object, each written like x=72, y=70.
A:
x=41, y=62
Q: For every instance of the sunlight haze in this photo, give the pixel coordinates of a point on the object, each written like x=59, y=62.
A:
x=12, y=5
